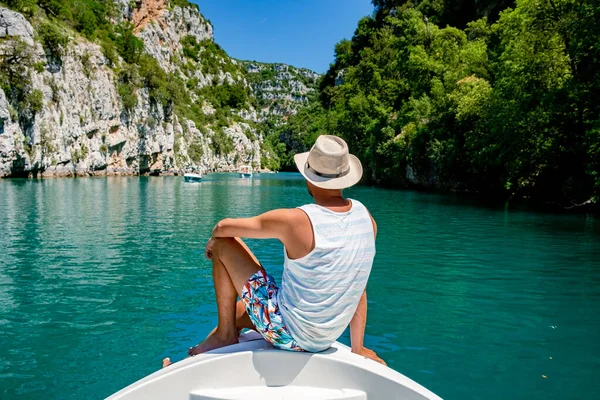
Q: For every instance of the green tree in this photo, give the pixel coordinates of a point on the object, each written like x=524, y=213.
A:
x=127, y=44
x=508, y=109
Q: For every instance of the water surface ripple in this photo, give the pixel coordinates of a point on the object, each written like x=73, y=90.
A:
x=102, y=278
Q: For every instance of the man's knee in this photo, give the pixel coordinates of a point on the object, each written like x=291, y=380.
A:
x=222, y=244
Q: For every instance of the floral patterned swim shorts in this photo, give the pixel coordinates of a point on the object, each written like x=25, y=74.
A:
x=260, y=298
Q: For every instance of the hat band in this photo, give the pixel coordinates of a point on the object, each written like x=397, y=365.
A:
x=346, y=172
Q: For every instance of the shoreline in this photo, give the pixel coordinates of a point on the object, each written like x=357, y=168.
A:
x=476, y=199
x=118, y=172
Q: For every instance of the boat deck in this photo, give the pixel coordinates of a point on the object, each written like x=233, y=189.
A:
x=254, y=369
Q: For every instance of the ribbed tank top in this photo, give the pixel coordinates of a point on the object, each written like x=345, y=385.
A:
x=320, y=291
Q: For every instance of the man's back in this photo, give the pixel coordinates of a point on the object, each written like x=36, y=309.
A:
x=329, y=250
x=320, y=289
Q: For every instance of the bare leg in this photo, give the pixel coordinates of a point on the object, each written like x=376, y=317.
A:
x=242, y=321
x=233, y=265
x=225, y=333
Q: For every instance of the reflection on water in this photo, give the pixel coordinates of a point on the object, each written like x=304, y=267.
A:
x=101, y=278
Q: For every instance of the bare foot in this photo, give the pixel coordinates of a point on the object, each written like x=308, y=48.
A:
x=212, y=342
x=166, y=362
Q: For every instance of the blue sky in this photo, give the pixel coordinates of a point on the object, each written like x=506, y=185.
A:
x=297, y=32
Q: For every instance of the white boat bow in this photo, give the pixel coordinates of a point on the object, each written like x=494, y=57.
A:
x=253, y=369
x=245, y=171
x=192, y=178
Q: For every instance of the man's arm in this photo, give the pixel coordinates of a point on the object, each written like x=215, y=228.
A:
x=270, y=225
x=359, y=322
x=291, y=226
x=357, y=325
x=357, y=331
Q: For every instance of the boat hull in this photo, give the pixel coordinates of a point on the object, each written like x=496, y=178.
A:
x=192, y=178
x=254, y=369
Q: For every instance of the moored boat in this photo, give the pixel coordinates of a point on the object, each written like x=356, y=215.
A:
x=245, y=171
x=253, y=369
x=192, y=178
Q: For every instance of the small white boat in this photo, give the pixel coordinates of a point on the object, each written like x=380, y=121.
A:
x=253, y=369
x=192, y=178
x=245, y=171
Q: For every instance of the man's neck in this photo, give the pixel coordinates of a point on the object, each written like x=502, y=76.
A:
x=330, y=201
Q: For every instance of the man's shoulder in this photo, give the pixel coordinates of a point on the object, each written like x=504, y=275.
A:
x=289, y=214
x=358, y=204
x=297, y=218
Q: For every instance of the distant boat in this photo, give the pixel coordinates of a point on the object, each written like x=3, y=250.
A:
x=245, y=171
x=192, y=178
x=253, y=369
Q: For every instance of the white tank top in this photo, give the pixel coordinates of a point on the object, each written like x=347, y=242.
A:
x=320, y=291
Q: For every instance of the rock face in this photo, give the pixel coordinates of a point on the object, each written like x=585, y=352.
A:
x=281, y=89
x=81, y=126
x=148, y=11
x=162, y=33
x=4, y=113
x=13, y=24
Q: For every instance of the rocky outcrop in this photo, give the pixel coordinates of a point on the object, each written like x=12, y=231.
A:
x=281, y=89
x=4, y=113
x=13, y=24
x=82, y=127
x=163, y=33
x=148, y=11
x=68, y=117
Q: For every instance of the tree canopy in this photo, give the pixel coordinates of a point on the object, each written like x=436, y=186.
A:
x=507, y=109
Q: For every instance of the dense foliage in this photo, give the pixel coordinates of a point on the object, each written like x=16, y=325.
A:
x=296, y=135
x=15, y=81
x=509, y=108
x=89, y=17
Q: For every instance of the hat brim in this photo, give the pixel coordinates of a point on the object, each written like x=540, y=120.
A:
x=342, y=182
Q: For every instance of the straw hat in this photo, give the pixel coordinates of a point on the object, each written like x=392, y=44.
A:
x=329, y=165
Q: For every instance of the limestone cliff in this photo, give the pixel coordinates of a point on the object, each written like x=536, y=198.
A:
x=68, y=107
x=281, y=89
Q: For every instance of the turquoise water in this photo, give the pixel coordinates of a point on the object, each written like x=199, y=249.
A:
x=101, y=278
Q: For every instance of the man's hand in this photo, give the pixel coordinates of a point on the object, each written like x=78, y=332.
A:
x=369, y=354
x=209, y=247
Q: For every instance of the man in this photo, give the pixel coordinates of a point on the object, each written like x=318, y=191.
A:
x=329, y=251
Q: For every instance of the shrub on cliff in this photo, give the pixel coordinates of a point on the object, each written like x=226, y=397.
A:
x=211, y=57
x=268, y=73
x=16, y=63
x=127, y=44
x=195, y=151
x=276, y=152
x=128, y=96
x=225, y=96
x=26, y=7
x=53, y=39
x=34, y=101
x=221, y=144
x=128, y=81
x=182, y=4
